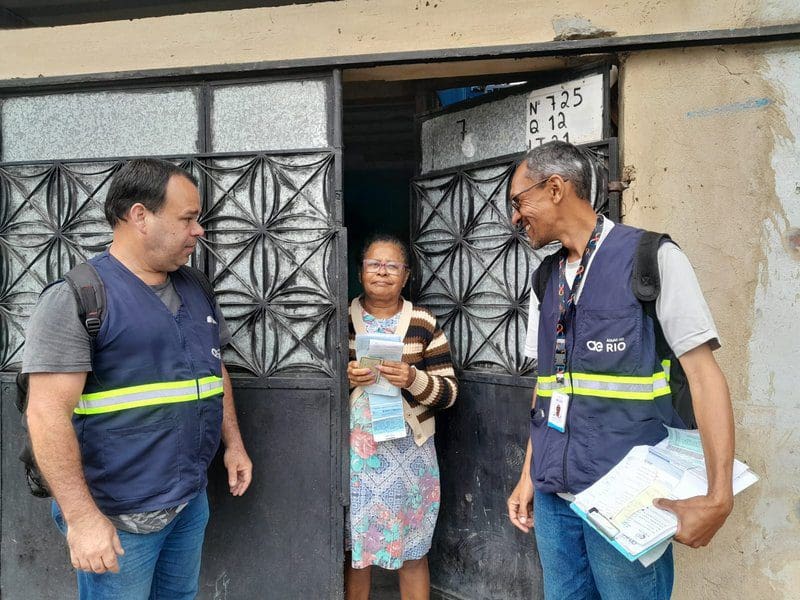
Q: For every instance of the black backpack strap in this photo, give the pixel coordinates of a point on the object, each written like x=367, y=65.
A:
x=645, y=279
x=542, y=274
x=91, y=296
x=200, y=279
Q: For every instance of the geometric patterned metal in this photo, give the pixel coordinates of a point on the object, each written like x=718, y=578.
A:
x=268, y=250
x=473, y=266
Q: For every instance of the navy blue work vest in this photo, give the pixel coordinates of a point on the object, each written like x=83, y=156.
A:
x=150, y=416
x=618, y=389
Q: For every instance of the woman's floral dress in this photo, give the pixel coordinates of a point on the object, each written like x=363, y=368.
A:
x=394, y=487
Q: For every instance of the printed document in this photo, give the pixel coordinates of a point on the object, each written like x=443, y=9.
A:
x=620, y=504
x=385, y=400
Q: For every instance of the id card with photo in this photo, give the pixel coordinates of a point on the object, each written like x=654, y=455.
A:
x=557, y=417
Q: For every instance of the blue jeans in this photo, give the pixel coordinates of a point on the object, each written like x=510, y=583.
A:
x=578, y=563
x=164, y=565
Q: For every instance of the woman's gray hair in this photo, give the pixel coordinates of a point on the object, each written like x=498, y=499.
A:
x=568, y=161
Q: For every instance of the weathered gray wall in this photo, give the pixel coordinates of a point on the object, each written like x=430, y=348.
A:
x=710, y=137
x=352, y=27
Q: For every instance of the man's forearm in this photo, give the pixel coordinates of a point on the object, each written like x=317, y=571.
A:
x=526, y=467
x=712, y=408
x=231, y=436
x=55, y=447
x=715, y=422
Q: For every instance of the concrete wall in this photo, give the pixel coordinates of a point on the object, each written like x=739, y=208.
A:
x=712, y=139
x=352, y=27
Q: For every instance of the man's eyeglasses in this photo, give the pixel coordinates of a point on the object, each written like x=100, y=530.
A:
x=372, y=265
x=514, y=201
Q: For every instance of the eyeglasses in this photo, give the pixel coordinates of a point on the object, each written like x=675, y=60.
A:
x=514, y=201
x=372, y=265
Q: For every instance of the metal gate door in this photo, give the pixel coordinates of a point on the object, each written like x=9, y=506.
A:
x=472, y=269
x=267, y=154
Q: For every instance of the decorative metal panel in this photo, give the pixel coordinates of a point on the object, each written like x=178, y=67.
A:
x=268, y=250
x=473, y=265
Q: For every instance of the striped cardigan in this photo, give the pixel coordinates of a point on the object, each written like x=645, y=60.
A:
x=426, y=348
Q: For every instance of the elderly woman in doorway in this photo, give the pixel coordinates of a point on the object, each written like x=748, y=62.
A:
x=394, y=484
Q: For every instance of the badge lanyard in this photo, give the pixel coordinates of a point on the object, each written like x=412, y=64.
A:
x=565, y=303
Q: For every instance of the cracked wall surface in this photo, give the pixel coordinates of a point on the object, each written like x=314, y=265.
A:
x=350, y=27
x=710, y=137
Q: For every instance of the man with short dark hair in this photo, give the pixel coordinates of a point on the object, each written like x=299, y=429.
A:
x=124, y=426
x=594, y=342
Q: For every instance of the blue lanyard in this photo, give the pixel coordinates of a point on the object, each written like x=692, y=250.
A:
x=567, y=302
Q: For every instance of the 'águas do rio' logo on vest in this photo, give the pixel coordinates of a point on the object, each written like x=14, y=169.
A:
x=610, y=345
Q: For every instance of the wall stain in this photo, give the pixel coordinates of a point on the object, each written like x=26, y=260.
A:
x=734, y=107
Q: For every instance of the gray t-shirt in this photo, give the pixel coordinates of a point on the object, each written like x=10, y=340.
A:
x=57, y=342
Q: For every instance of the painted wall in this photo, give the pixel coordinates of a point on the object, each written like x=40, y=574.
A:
x=351, y=27
x=711, y=138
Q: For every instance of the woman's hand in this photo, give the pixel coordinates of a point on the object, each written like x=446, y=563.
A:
x=359, y=375
x=398, y=373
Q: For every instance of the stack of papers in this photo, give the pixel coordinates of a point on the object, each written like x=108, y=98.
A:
x=620, y=504
x=385, y=400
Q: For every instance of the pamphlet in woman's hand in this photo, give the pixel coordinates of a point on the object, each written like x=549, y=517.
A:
x=385, y=401
x=380, y=346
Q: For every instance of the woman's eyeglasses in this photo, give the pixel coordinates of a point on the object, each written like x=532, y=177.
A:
x=372, y=265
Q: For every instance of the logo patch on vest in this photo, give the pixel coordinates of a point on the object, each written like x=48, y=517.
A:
x=610, y=345
x=216, y=353
x=210, y=319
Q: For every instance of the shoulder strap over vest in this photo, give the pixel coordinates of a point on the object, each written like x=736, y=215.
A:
x=90, y=293
x=646, y=286
x=645, y=279
x=91, y=296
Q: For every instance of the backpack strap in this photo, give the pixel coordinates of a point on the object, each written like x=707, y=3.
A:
x=645, y=279
x=542, y=274
x=200, y=279
x=90, y=294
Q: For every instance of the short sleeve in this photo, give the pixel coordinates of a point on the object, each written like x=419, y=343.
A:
x=55, y=339
x=532, y=332
x=681, y=307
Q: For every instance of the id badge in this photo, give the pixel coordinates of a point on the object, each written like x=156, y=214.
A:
x=557, y=417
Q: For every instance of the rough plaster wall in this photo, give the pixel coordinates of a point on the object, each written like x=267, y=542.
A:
x=710, y=137
x=352, y=27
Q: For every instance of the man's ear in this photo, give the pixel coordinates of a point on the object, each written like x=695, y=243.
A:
x=556, y=188
x=137, y=216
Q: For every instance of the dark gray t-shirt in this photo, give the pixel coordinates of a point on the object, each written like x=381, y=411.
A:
x=57, y=342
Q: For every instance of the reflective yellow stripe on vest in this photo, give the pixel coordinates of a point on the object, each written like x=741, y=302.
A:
x=149, y=394
x=666, y=364
x=624, y=387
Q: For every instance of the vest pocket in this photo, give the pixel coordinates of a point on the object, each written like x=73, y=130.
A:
x=547, y=463
x=140, y=462
x=608, y=341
